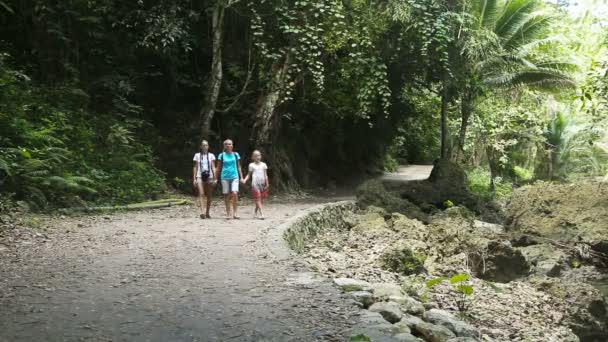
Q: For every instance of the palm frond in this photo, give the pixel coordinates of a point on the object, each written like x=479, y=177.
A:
x=529, y=47
x=530, y=30
x=538, y=78
x=486, y=12
x=514, y=15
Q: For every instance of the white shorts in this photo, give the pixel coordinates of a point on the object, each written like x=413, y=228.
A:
x=230, y=185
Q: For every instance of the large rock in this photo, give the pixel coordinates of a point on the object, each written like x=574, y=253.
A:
x=349, y=285
x=389, y=310
x=371, y=318
x=408, y=304
x=545, y=259
x=444, y=318
x=411, y=321
x=447, y=181
x=412, y=227
x=434, y=333
x=373, y=193
x=403, y=327
x=365, y=298
x=499, y=262
x=407, y=338
x=383, y=291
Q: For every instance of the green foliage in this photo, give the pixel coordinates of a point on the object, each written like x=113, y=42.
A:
x=480, y=184
x=390, y=163
x=404, y=261
x=461, y=290
x=573, y=147
x=49, y=151
x=522, y=173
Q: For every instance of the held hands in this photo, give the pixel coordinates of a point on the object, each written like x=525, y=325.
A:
x=194, y=182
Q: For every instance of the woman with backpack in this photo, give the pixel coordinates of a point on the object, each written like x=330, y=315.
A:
x=203, y=177
x=230, y=173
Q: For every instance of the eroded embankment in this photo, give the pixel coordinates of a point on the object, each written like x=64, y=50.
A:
x=524, y=288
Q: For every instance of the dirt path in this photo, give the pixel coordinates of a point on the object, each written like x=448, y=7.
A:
x=407, y=173
x=164, y=275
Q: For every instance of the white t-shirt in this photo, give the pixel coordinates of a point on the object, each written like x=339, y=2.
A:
x=258, y=177
x=208, y=161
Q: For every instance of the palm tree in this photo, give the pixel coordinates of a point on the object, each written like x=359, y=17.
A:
x=573, y=146
x=497, y=50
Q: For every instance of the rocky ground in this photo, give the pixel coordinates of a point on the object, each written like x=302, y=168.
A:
x=525, y=287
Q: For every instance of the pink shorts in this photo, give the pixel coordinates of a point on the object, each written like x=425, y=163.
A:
x=257, y=194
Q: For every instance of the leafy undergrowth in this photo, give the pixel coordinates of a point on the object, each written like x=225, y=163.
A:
x=53, y=153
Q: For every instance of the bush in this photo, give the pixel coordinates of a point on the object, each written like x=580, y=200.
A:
x=480, y=185
x=522, y=174
x=390, y=163
x=54, y=153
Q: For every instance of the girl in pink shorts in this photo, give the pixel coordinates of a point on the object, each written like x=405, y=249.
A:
x=259, y=182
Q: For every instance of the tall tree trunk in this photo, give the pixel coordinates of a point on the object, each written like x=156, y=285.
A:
x=466, y=108
x=215, y=78
x=268, y=122
x=444, y=120
x=493, y=164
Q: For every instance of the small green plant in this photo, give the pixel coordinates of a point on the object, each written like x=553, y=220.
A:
x=461, y=289
x=448, y=204
x=390, y=163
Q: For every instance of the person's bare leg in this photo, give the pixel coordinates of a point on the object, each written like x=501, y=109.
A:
x=235, y=199
x=208, y=195
x=227, y=201
x=259, y=205
x=201, y=194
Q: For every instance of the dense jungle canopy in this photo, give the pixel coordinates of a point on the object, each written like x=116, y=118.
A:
x=107, y=101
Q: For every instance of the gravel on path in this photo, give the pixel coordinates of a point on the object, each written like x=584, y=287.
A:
x=164, y=275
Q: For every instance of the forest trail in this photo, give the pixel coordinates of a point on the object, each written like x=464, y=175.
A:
x=166, y=275
x=408, y=173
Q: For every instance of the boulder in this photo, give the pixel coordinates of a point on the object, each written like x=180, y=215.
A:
x=545, y=259
x=383, y=291
x=408, y=304
x=375, y=333
x=412, y=227
x=406, y=338
x=349, y=285
x=389, y=310
x=371, y=318
x=411, y=321
x=488, y=228
x=434, y=333
x=373, y=193
x=447, y=181
x=499, y=262
x=445, y=319
x=365, y=298
x=402, y=327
